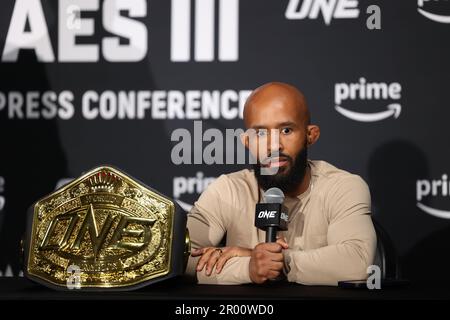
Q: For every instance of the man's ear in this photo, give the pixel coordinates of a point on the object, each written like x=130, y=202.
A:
x=313, y=134
x=244, y=139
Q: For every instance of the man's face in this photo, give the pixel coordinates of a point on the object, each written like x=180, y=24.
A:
x=277, y=139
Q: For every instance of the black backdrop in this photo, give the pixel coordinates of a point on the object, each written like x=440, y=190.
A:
x=396, y=141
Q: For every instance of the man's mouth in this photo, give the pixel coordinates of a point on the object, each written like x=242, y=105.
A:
x=275, y=162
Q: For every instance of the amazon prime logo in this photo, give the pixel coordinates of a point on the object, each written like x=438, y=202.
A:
x=432, y=10
x=387, y=94
x=433, y=188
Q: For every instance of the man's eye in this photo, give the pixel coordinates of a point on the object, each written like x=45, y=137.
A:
x=261, y=133
x=286, y=130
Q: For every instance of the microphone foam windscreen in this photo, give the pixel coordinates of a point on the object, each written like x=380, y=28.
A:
x=274, y=195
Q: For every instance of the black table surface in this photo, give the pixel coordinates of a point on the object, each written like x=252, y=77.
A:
x=180, y=289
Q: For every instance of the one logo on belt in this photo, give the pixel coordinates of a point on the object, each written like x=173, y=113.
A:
x=368, y=91
x=425, y=11
x=60, y=234
x=204, y=33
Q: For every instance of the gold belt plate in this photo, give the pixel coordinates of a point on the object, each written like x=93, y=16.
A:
x=111, y=229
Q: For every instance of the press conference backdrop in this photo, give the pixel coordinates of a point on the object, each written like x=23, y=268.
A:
x=84, y=83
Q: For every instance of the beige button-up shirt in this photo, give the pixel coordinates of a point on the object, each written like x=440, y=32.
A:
x=330, y=232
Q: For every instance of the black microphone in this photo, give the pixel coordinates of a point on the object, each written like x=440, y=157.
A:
x=271, y=215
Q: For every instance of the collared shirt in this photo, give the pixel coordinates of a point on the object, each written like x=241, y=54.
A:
x=330, y=232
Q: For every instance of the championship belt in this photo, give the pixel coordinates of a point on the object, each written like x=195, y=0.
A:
x=105, y=230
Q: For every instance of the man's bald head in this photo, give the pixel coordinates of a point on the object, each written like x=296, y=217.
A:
x=277, y=96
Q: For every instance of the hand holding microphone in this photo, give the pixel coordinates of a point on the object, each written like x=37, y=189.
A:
x=271, y=215
x=267, y=260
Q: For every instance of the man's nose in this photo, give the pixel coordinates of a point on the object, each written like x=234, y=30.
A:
x=274, y=143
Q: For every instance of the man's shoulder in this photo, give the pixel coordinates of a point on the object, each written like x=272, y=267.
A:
x=343, y=193
x=238, y=180
x=233, y=187
x=330, y=178
x=241, y=176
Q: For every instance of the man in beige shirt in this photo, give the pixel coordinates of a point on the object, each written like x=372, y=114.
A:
x=330, y=234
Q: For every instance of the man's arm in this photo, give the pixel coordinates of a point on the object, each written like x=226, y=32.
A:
x=351, y=239
x=208, y=222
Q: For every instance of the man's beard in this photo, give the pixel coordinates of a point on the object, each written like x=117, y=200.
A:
x=287, y=179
